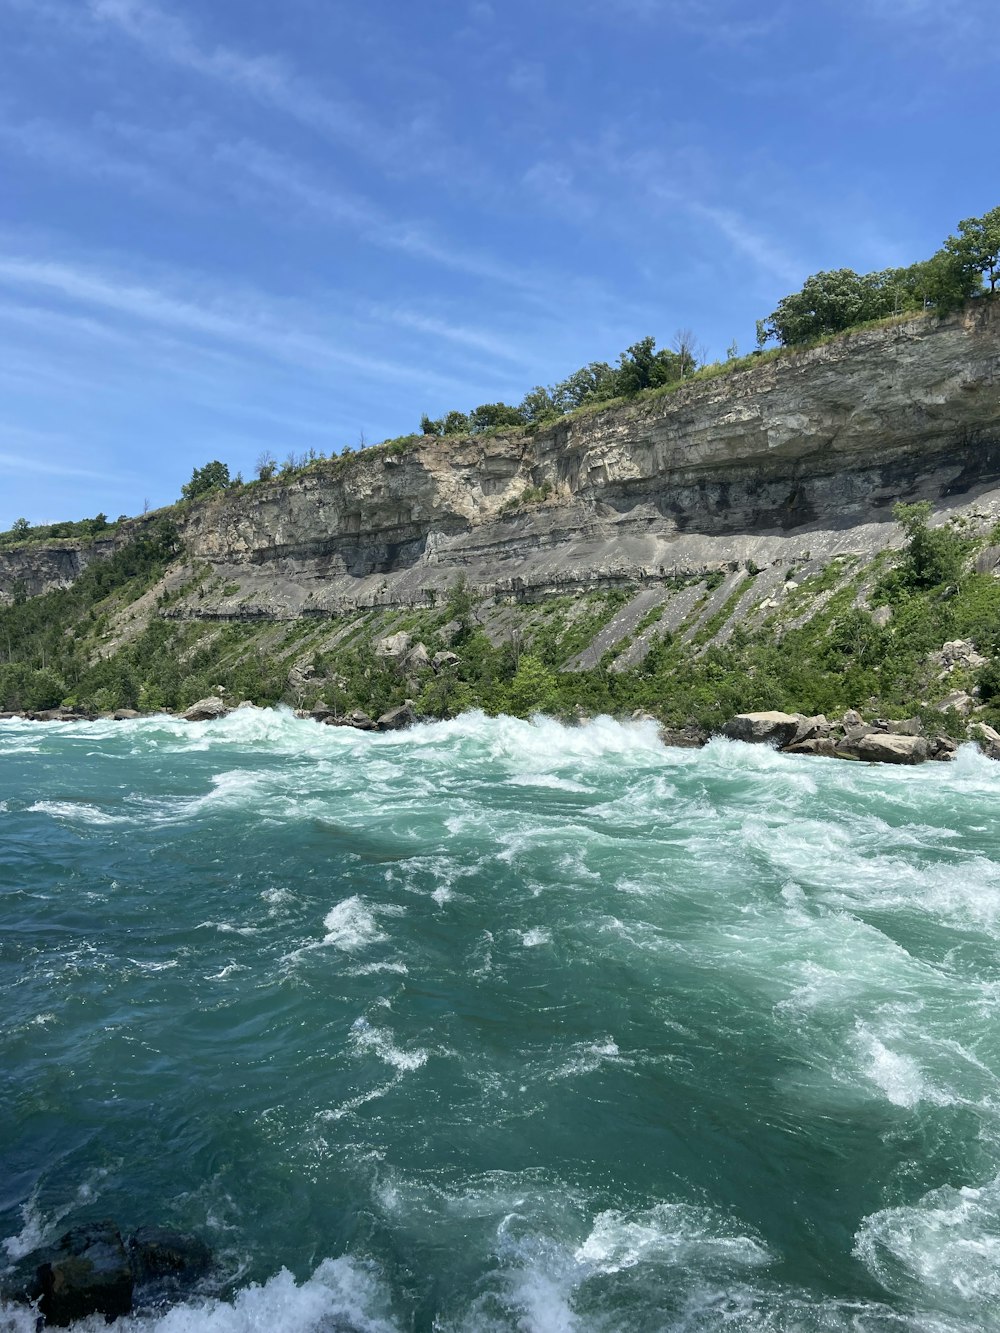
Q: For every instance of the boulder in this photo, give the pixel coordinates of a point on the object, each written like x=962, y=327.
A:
x=943, y=748
x=986, y=738
x=164, y=1258
x=125, y=714
x=852, y=718
x=321, y=712
x=357, y=719
x=418, y=658
x=444, y=659
x=907, y=726
x=810, y=728
x=87, y=1273
x=822, y=745
x=394, y=647
x=878, y=747
x=685, y=738
x=205, y=710
x=397, y=719
x=763, y=728
x=959, y=701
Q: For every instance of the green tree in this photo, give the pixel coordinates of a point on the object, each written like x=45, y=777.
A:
x=20, y=527
x=493, y=416
x=455, y=423
x=534, y=688
x=213, y=476
x=977, y=246
x=429, y=427
x=934, y=556
x=538, y=405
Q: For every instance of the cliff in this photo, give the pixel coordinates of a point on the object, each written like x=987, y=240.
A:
x=798, y=458
x=806, y=453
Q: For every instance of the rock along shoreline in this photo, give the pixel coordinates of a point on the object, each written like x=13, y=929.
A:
x=881, y=741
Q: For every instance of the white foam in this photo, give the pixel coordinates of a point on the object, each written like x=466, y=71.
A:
x=76, y=810
x=538, y=935
x=943, y=1251
x=365, y=1037
x=341, y=1293
x=674, y=1233
x=587, y=1056
x=352, y=925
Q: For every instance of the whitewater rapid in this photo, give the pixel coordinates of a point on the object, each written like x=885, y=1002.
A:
x=499, y=1024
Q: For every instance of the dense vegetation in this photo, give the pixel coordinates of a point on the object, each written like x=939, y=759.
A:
x=61, y=648
x=833, y=302
x=23, y=531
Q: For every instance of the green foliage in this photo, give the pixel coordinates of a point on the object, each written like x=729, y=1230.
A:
x=213, y=476
x=835, y=301
x=23, y=531
x=933, y=556
x=977, y=247
x=640, y=368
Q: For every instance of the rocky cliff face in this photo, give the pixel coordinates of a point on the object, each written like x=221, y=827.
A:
x=37, y=569
x=798, y=458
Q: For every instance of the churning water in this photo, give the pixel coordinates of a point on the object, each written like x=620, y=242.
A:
x=497, y=1025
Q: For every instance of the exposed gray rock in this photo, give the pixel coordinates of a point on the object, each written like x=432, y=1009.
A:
x=125, y=714
x=957, y=701
x=882, y=748
x=943, y=748
x=986, y=737
x=881, y=616
x=394, y=647
x=444, y=659
x=811, y=728
x=821, y=745
x=205, y=710
x=908, y=726
x=852, y=718
x=685, y=738
x=418, y=658
x=763, y=728
x=397, y=719
x=357, y=719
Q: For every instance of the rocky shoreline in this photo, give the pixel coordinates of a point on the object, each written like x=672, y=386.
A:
x=881, y=741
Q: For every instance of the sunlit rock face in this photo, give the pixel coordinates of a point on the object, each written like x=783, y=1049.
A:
x=800, y=456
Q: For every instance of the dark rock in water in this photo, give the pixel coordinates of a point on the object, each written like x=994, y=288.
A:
x=125, y=714
x=943, y=747
x=357, y=719
x=822, y=745
x=686, y=738
x=91, y=1270
x=321, y=712
x=397, y=718
x=87, y=1273
x=160, y=1255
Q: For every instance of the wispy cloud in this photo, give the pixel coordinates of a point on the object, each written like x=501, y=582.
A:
x=413, y=145
x=250, y=323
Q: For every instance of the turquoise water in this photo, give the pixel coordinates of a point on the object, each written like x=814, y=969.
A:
x=497, y=1025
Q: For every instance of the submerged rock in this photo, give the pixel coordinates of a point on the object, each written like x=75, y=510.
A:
x=205, y=710
x=165, y=1259
x=92, y=1270
x=87, y=1273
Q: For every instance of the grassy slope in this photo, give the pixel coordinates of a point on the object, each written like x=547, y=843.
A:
x=63, y=648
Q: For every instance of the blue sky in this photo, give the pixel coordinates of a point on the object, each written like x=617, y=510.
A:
x=247, y=225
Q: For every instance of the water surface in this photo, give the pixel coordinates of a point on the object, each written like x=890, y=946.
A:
x=501, y=1025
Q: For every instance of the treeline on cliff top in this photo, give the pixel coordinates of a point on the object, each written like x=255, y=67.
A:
x=828, y=303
